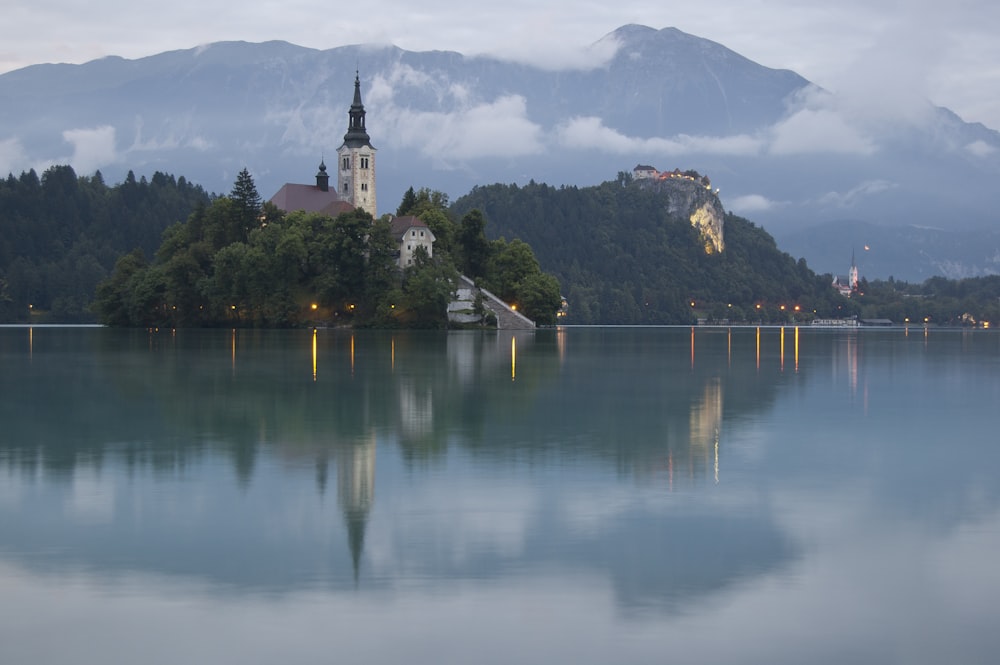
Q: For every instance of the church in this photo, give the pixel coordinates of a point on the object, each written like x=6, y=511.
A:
x=355, y=187
x=847, y=285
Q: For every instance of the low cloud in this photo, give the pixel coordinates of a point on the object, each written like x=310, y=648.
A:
x=550, y=54
x=812, y=131
x=851, y=197
x=496, y=129
x=92, y=148
x=590, y=132
x=817, y=124
x=12, y=156
x=751, y=203
x=471, y=128
x=980, y=148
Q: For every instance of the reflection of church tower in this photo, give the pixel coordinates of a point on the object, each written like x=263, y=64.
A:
x=356, y=172
x=355, y=492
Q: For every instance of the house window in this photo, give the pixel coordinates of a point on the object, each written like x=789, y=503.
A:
x=409, y=247
x=364, y=187
x=421, y=234
x=345, y=188
x=346, y=164
x=413, y=234
x=364, y=161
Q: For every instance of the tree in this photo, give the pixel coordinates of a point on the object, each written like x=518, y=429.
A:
x=428, y=287
x=540, y=298
x=246, y=203
x=473, y=245
x=407, y=204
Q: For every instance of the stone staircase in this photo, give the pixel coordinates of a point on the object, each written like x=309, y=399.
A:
x=462, y=308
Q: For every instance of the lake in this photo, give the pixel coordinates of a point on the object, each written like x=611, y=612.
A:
x=579, y=495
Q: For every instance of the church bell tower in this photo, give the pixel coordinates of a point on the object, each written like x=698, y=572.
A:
x=356, y=156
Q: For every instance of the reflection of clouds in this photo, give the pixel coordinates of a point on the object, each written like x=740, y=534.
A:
x=92, y=498
x=459, y=521
x=11, y=487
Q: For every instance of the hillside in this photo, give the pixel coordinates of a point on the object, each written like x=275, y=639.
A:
x=627, y=252
x=786, y=153
x=61, y=234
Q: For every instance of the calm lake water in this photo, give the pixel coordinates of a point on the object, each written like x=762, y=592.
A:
x=565, y=496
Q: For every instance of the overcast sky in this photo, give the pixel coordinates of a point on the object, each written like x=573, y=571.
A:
x=948, y=53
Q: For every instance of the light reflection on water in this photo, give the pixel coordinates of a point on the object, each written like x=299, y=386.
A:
x=572, y=495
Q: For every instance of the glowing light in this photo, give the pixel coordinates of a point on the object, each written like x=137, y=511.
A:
x=796, y=349
x=513, y=358
x=782, y=350
x=758, y=346
x=692, y=347
x=314, y=307
x=314, y=353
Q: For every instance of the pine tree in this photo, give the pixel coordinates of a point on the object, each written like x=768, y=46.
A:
x=246, y=202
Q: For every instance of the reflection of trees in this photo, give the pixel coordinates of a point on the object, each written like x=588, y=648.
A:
x=645, y=402
x=656, y=406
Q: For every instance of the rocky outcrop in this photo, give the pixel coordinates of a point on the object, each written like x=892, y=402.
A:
x=692, y=198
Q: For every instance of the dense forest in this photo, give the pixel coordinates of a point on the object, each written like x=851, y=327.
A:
x=241, y=262
x=611, y=250
x=61, y=234
x=621, y=259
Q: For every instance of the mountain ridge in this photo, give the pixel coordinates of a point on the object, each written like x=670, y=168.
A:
x=784, y=152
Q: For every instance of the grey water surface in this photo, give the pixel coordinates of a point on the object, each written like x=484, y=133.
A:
x=578, y=495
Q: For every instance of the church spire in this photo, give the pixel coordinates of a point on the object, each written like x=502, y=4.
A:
x=356, y=135
x=322, y=177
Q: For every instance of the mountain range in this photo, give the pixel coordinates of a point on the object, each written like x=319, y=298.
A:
x=826, y=174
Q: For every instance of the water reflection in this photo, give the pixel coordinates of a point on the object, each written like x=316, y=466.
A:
x=672, y=466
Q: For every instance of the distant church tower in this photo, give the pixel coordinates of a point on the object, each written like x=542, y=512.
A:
x=852, y=276
x=356, y=172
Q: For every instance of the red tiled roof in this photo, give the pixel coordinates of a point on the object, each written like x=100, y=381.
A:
x=400, y=225
x=310, y=198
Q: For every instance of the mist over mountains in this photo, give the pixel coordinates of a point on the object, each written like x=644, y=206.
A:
x=800, y=161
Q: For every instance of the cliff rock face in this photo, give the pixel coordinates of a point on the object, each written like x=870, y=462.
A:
x=692, y=198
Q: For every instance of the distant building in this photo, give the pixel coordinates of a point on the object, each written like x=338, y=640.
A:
x=355, y=188
x=411, y=232
x=312, y=198
x=644, y=172
x=355, y=173
x=848, y=284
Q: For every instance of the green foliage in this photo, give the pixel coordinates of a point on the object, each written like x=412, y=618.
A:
x=292, y=270
x=622, y=259
x=428, y=286
x=473, y=247
x=61, y=234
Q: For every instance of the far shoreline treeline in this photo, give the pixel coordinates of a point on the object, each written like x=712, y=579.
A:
x=611, y=250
